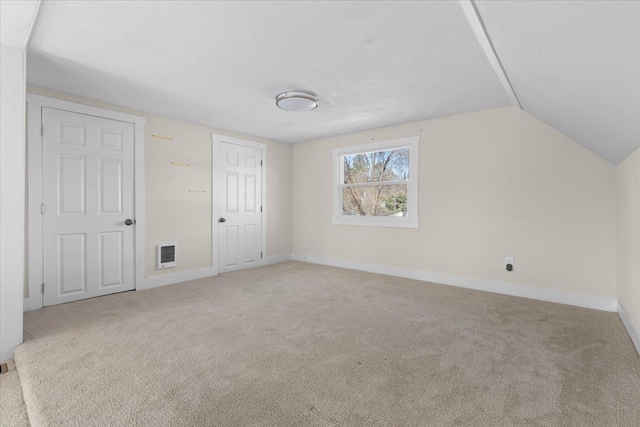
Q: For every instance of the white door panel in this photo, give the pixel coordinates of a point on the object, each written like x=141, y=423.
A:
x=88, y=193
x=72, y=263
x=240, y=195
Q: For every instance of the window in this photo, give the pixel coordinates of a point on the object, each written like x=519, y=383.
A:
x=377, y=184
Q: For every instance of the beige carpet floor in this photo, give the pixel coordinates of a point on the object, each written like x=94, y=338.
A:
x=13, y=412
x=300, y=344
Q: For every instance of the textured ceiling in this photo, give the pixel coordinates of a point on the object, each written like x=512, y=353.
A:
x=574, y=65
x=222, y=63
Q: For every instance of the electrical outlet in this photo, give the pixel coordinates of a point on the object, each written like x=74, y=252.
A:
x=508, y=262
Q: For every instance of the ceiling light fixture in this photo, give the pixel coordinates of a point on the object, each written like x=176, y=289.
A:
x=297, y=100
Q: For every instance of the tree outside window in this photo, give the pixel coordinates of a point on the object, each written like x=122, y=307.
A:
x=377, y=184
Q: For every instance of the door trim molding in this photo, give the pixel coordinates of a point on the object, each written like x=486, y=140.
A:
x=216, y=139
x=35, y=103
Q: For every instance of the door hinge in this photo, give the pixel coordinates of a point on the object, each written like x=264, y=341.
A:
x=42, y=208
x=42, y=289
x=260, y=254
x=41, y=129
x=260, y=208
x=260, y=162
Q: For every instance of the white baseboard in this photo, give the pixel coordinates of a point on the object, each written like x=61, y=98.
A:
x=631, y=328
x=185, y=276
x=488, y=285
x=277, y=259
x=182, y=276
x=35, y=302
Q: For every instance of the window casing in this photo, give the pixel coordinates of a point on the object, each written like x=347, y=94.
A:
x=376, y=184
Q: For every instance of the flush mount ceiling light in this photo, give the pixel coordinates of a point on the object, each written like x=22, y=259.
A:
x=297, y=100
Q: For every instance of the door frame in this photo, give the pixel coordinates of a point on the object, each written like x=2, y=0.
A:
x=35, y=258
x=216, y=172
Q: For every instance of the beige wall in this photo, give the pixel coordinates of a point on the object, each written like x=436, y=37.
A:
x=173, y=214
x=628, y=179
x=493, y=183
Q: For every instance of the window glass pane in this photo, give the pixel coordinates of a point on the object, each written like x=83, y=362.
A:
x=375, y=200
x=377, y=166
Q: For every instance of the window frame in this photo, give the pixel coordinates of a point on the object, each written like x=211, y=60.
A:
x=408, y=221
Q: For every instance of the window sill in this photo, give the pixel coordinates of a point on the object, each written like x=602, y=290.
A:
x=375, y=222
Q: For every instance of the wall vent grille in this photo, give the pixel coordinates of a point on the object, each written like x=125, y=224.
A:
x=167, y=255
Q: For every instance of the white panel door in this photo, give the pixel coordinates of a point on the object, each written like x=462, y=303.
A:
x=88, y=201
x=240, y=213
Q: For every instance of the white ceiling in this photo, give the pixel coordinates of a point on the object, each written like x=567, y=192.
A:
x=574, y=65
x=222, y=63
x=16, y=22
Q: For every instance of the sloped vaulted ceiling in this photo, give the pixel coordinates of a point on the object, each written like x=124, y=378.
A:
x=16, y=22
x=574, y=65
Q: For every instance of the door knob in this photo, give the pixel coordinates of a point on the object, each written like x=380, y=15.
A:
x=129, y=222
x=222, y=220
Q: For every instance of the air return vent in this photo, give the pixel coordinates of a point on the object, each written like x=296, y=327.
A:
x=167, y=255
